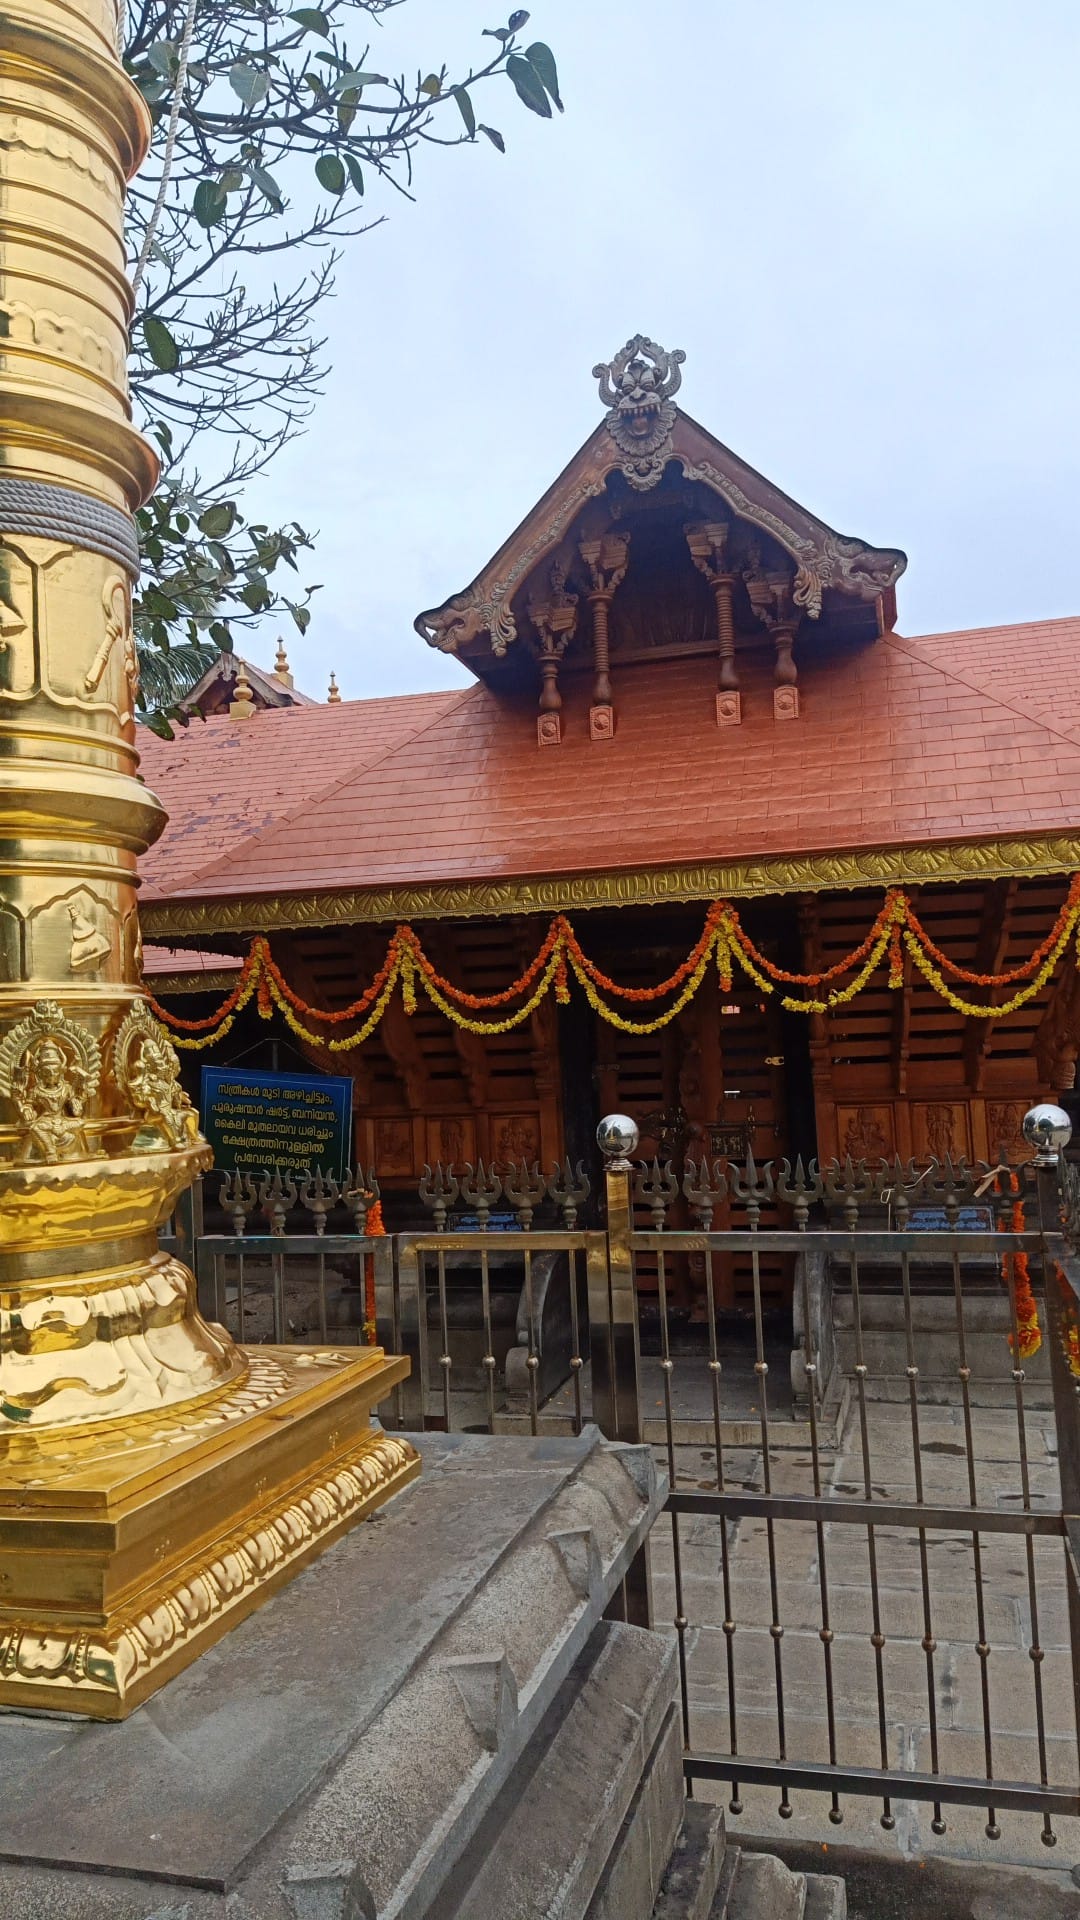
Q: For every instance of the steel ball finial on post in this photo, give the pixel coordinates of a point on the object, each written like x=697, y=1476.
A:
x=617, y=1137
x=1048, y=1129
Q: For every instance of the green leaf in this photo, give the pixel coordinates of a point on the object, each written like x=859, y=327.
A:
x=268, y=187
x=160, y=344
x=352, y=79
x=256, y=595
x=494, y=136
x=465, y=108
x=528, y=85
x=356, y=172
x=346, y=111
x=218, y=520
x=250, y=84
x=163, y=57
x=542, y=61
x=152, y=87
x=208, y=205
x=432, y=86
x=313, y=20
x=330, y=173
x=231, y=180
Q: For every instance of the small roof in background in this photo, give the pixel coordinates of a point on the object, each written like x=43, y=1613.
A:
x=186, y=969
x=214, y=692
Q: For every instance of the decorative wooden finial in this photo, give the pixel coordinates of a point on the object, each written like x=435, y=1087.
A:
x=282, y=670
x=242, y=704
x=333, y=698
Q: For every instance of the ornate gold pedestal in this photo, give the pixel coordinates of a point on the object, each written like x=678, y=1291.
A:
x=125, y=1552
x=156, y=1482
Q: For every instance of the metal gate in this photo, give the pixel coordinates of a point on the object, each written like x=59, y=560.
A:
x=870, y=1567
x=913, y=1565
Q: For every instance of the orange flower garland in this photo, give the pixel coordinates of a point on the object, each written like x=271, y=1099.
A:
x=375, y=1230
x=1016, y=1273
x=1070, y=1332
x=896, y=929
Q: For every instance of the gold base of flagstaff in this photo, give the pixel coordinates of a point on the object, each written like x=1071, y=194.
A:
x=129, y=1549
x=156, y=1481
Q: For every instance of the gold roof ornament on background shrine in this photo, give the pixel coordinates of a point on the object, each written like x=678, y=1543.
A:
x=648, y=464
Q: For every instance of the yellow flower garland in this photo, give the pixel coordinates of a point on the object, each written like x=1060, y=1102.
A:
x=933, y=975
x=724, y=942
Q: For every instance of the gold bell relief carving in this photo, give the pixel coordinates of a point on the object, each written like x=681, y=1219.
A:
x=89, y=947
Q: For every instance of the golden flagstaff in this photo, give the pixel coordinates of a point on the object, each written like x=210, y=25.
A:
x=159, y=1481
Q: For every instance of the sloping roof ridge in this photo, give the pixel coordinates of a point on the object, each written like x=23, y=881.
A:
x=909, y=648
x=322, y=794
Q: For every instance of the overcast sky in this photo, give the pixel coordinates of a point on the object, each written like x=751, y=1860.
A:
x=858, y=219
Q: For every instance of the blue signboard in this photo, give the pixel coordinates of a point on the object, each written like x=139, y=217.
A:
x=295, y=1121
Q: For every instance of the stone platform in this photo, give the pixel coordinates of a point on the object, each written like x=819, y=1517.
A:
x=435, y=1721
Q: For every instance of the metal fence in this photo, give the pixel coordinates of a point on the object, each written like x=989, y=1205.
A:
x=869, y=1557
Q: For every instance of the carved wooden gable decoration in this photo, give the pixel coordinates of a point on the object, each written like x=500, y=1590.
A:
x=657, y=541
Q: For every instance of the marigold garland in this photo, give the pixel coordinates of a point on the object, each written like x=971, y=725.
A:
x=1016, y=1273
x=374, y=1229
x=896, y=929
x=1070, y=1329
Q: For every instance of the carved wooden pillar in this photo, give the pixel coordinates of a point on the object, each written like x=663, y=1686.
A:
x=605, y=561
x=771, y=600
x=555, y=620
x=818, y=1026
x=707, y=546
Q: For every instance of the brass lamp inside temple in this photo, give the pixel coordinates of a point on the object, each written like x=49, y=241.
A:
x=156, y=1481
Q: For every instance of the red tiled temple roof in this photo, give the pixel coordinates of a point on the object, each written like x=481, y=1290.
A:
x=903, y=742
x=225, y=782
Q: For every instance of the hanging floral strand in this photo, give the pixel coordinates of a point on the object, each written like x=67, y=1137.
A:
x=896, y=930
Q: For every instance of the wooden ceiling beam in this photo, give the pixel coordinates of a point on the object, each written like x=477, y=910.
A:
x=990, y=951
x=297, y=970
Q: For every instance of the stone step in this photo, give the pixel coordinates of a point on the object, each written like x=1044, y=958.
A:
x=762, y=1888
x=689, y=1886
x=585, y=1825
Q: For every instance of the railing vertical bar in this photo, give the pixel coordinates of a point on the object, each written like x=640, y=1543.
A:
x=982, y=1645
x=624, y=1406
x=761, y=1370
x=1035, y=1651
x=445, y=1357
x=929, y=1644
x=666, y=1366
x=877, y=1637
x=532, y=1360
x=277, y=1271
x=826, y=1631
x=488, y=1359
x=220, y=1301
x=729, y=1624
x=575, y=1338
x=412, y=1332
x=1066, y=1392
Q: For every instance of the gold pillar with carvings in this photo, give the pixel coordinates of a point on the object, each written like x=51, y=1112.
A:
x=156, y=1480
